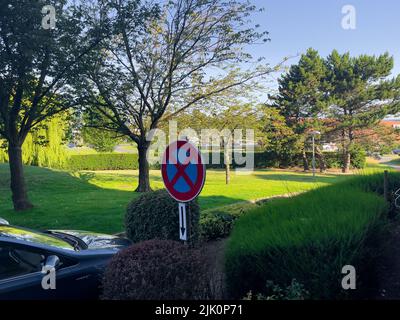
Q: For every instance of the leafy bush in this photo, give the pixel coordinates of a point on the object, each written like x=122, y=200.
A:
x=218, y=223
x=357, y=156
x=103, y=161
x=308, y=238
x=295, y=291
x=155, y=215
x=128, y=161
x=156, y=270
x=215, y=225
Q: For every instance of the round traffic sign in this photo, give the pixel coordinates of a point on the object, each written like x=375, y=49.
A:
x=183, y=171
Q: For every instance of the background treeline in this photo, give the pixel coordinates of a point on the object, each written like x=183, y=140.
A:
x=129, y=161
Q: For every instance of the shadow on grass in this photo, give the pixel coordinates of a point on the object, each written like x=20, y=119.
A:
x=299, y=178
x=62, y=200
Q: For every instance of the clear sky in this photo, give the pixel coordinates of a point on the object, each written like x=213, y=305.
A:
x=296, y=25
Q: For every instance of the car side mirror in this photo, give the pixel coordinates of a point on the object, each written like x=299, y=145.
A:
x=52, y=262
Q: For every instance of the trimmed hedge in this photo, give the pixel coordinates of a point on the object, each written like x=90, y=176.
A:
x=266, y=159
x=154, y=215
x=308, y=238
x=103, y=161
x=157, y=270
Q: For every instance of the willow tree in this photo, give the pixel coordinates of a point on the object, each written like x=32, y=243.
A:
x=37, y=60
x=181, y=57
x=44, y=146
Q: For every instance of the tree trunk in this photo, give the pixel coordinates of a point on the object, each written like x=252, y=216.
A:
x=346, y=161
x=305, y=161
x=144, y=176
x=18, y=187
x=321, y=157
x=227, y=169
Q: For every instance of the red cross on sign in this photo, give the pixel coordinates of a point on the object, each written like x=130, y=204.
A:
x=183, y=171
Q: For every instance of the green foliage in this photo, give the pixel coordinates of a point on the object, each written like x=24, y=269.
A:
x=100, y=140
x=353, y=94
x=295, y=291
x=308, y=238
x=102, y=161
x=264, y=159
x=156, y=270
x=215, y=225
x=154, y=215
x=300, y=90
x=358, y=156
x=44, y=146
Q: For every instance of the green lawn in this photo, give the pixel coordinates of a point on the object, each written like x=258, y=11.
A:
x=96, y=201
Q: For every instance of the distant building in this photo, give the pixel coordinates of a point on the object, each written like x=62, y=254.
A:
x=395, y=124
x=330, y=147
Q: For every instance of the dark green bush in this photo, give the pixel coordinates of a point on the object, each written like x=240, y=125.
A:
x=358, y=156
x=155, y=215
x=308, y=238
x=218, y=223
x=215, y=225
x=103, y=161
x=156, y=270
x=264, y=159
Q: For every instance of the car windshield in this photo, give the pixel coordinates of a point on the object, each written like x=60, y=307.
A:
x=33, y=236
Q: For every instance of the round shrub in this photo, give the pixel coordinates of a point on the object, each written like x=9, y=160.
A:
x=154, y=215
x=156, y=270
x=358, y=156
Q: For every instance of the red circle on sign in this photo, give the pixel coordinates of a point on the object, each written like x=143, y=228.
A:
x=172, y=159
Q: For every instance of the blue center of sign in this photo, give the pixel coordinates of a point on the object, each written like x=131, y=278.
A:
x=181, y=184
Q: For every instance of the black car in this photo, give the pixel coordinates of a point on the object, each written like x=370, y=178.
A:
x=76, y=258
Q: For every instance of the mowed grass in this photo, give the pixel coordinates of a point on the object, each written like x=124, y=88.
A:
x=96, y=201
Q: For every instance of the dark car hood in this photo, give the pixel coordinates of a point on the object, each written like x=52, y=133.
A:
x=96, y=240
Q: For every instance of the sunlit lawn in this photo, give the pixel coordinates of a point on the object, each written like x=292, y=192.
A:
x=97, y=200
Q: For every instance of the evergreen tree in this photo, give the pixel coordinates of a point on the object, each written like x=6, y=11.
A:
x=360, y=95
x=300, y=100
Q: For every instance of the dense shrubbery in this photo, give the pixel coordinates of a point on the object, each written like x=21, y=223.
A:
x=215, y=225
x=218, y=223
x=155, y=215
x=308, y=238
x=103, y=161
x=266, y=159
x=156, y=270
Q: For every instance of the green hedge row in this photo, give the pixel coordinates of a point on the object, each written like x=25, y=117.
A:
x=308, y=238
x=102, y=161
x=266, y=159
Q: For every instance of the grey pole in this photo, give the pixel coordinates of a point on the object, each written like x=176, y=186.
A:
x=313, y=156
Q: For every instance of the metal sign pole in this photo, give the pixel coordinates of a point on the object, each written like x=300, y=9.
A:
x=182, y=221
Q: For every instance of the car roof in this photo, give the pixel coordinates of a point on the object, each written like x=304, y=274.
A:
x=8, y=232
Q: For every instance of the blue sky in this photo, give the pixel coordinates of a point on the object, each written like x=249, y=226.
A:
x=297, y=25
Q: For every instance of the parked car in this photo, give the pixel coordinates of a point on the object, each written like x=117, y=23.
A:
x=77, y=257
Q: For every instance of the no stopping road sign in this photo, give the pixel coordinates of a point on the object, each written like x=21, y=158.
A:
x=183, y=171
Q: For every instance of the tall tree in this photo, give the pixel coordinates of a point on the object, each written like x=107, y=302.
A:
x=360, y=94
x=222, y=119
x=36, y=62
x=300, y=98
x=180, y=58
